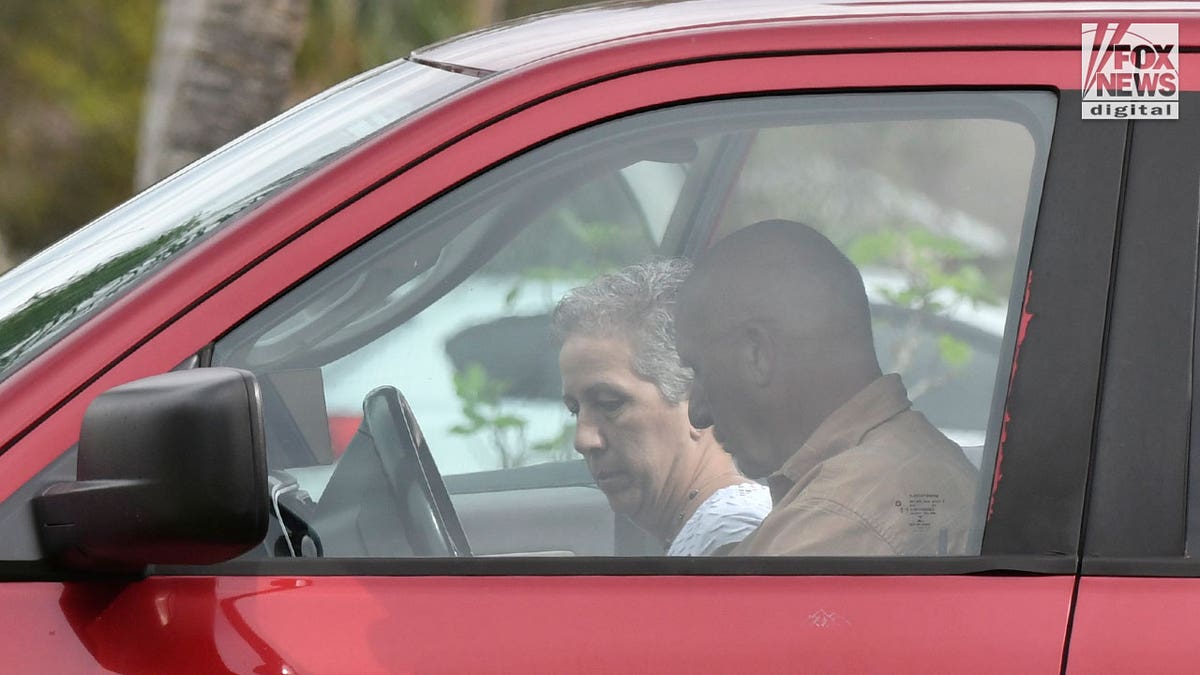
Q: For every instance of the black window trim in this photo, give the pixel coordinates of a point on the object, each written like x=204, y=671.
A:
x=1141, y=507
x=1051, y=405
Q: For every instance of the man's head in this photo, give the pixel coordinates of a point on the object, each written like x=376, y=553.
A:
x=623, y=382
x=775, y=323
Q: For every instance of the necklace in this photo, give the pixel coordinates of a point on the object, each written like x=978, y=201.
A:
x=695, y=492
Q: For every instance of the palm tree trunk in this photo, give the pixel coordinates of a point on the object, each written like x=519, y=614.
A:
x=221, y=67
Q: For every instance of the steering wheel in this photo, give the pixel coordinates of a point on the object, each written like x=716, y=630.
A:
x=431, y=522
x=386, y=482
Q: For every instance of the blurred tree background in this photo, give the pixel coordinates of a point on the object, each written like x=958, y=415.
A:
x=75, y=76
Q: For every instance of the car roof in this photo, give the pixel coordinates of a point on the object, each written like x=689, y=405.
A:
x=516, y=43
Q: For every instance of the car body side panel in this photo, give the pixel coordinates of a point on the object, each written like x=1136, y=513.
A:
x=540, y=624
x=1126, y=625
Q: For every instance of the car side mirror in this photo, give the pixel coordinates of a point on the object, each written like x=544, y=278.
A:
x=171, y=470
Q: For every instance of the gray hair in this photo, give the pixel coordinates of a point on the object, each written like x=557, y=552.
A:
x=635, y=303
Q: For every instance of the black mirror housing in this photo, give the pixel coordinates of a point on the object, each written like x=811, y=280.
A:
x=172, y=470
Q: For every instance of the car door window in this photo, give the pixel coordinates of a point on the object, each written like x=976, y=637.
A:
x=931, y=196
x=932, y=212
x=483, y=377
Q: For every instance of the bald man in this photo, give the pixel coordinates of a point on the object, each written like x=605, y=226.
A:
x=775, y=322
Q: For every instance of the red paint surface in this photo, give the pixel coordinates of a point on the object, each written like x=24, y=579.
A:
x=1129, y=625
x=538, y=625
x=1026, y=317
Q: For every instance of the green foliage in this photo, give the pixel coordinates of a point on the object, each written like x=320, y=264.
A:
x=485, y=414
x=480, y=398
x=954, y=352
x=938, y=271
x=931, y=263
x=346, y=37
x=73, y=76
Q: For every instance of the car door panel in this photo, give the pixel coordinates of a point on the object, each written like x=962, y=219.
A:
x=379, y=624
x=1134, y=624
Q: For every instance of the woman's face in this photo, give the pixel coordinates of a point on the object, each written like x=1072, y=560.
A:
x=631, y=437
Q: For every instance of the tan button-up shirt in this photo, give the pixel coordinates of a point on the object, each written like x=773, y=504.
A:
x=875, y=478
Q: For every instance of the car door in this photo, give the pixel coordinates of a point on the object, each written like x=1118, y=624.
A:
x=1005, y=605
x=1138, y=595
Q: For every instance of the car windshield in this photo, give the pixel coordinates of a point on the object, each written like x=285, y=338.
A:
x=47, y=295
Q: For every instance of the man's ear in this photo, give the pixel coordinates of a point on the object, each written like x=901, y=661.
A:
x=756, y=353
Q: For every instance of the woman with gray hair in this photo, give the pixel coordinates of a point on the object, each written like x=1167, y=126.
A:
x=623, y=382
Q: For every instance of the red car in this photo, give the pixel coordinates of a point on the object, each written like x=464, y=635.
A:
x=1017, y=181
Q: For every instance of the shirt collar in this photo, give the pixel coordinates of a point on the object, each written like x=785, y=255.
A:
x=845, y=428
